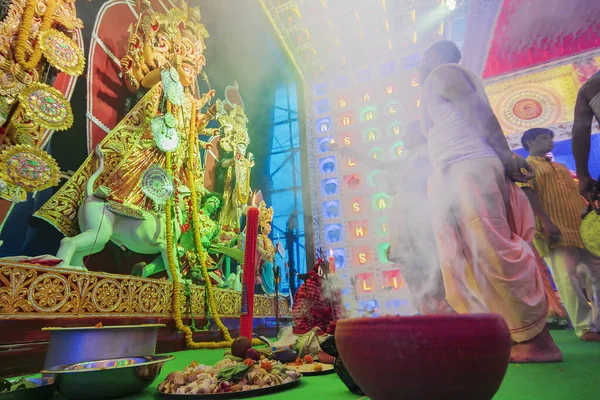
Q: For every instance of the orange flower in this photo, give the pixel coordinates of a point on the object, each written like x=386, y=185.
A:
x=308, y=359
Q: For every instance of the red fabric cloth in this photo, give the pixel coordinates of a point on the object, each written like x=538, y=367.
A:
x=311, y=309
x=535, y=32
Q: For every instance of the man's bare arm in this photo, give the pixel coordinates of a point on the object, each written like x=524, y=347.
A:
x=582, y=132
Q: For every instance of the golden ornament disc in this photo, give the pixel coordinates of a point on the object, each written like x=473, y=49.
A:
x=46, y=106
x=30, y=168
x=62, y=52
x=22, y=136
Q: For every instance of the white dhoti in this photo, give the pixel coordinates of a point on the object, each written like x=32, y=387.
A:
x=576, y=273
x=484, y=226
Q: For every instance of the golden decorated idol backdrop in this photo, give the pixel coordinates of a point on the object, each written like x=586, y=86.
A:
x=134, y=137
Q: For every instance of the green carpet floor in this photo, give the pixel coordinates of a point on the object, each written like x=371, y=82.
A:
x=574, y=379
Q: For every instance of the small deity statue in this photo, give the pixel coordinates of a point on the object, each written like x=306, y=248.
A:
x=235, y=164
x=266, y=250
x=37, y=42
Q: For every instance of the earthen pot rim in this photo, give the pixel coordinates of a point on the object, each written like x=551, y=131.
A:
x=421, y=319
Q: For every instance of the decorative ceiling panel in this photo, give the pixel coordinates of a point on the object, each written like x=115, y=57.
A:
x=330, y=35
x=534, y=32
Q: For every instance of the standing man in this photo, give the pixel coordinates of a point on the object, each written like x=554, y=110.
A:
x=586, y=107
x=556, y=201
x=483, y=223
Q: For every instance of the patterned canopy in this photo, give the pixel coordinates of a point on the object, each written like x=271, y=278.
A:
x=527, y=33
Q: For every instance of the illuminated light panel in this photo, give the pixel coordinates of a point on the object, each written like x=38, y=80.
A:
x=418, y=103
x=355, y=206
x=342, y=82
x=386, y=24
x=323, y=125
x=376, y=154
x=361, y=34
x=382, y=227
x=381, y=201
x=389, y=89
x=320, y=89
x=329, y=187
x=377, y=179
x=361, y=255
x=368, y=114
x=324, y=3
x=327, y=165
x=371, y=135
x=343, y=103
x=359, y=229
x=441, y=29
x=347, y=120
x=353, y=181
x=340, y=258
x=357, y=16
x=415, y=82
x=365, y=282
x=397, y=148
x=322, y=106
x=390, y=47
x=415, y=37
x=366, y=96
x=413, y=15
x=382, y=250
x=333, y=233
x=384, y=5
x=393, y=279
x=325, y=144
x=395, y=129
x=331, y=209
x=347, y=140
x=392, y=108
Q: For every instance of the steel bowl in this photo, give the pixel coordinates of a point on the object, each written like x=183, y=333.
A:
x=43, y=391
x=107, y=379
x=79, y=344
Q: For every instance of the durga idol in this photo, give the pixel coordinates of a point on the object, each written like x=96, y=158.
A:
x=152, y=155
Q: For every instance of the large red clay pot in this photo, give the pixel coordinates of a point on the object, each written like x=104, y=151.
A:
x=440, y=357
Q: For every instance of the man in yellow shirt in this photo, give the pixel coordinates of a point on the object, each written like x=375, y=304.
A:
x=557, y=204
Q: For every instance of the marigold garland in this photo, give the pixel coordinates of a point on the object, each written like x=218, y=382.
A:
x=25, y=31
x=189, y=340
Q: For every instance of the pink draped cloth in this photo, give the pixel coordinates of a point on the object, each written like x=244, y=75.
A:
x=484, y=226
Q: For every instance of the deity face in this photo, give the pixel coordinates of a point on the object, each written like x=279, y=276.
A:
x=266, y=230
x=212, y=204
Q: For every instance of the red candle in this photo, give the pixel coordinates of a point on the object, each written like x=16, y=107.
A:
x=247, y=311
x=331, y=261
